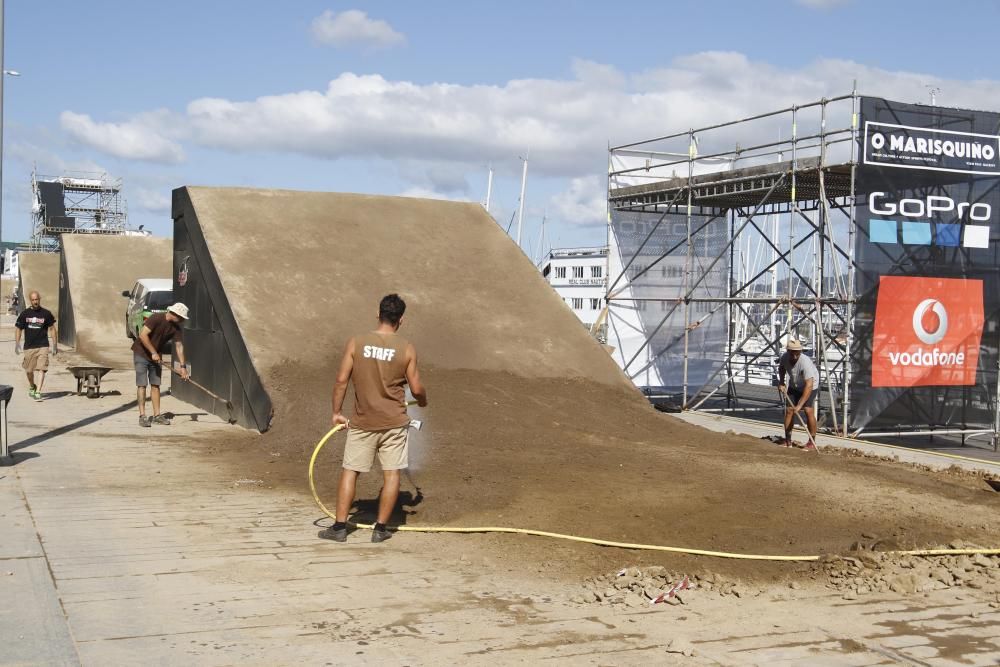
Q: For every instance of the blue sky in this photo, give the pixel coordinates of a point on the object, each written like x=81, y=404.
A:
x=418, y=97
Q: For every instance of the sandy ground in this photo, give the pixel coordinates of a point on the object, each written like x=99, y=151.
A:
x=155, y=546
x=571, y=457
x=530, y=423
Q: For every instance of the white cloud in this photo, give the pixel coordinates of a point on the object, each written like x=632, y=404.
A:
x=354, y=28
x=433, y=132
x=142, y=138
x=584, y=202
x=154, y=201
x=426, y=193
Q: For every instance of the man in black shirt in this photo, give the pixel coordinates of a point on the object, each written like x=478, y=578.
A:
x=157, y=333
x=35, y=322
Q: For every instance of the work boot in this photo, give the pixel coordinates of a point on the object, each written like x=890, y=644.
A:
x=380, y=534
x=161, y=420
x=337, y=535
x=145, y=421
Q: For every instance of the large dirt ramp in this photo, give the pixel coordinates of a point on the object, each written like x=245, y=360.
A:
x=93, y=273
x=278, y=278
x=39, y=271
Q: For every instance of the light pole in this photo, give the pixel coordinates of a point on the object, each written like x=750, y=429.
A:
x=5, y=73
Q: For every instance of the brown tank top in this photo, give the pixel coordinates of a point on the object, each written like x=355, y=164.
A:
x=379, y=377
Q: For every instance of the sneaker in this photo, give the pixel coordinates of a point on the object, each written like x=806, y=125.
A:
x=339, y=535
x=145, y=421
x=37, y=395
x=31, y=391
x=160, y=419
x=380, y=535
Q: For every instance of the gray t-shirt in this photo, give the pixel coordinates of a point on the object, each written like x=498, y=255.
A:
x=803, y=370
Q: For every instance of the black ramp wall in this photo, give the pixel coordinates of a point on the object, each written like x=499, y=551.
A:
x=214, y=347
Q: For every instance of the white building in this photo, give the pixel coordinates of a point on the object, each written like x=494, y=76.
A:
x=579, y=276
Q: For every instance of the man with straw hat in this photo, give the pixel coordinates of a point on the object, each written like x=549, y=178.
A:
x=800, y=394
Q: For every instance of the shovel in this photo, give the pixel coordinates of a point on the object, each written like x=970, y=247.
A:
x=229, y=404
x=802, y=421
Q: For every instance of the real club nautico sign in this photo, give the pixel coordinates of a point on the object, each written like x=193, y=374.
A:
x=910, y=147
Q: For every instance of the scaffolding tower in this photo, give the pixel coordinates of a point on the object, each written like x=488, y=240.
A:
x=75, y=203
x=726, y=247
x=726, y=241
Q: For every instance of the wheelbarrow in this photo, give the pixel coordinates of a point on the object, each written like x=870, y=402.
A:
x=88, y=378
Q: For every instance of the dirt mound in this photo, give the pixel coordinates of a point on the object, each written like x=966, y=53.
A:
x=530, y=424
x=572, y=457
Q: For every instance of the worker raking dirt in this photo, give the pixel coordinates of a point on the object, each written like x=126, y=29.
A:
x=800, y=393
x=380, y=363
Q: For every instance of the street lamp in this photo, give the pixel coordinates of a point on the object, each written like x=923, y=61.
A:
x=6, y=73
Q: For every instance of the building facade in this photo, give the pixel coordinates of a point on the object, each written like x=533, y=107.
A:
x=579, y=276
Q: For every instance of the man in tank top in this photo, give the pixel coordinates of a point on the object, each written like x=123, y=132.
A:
x=380, y=363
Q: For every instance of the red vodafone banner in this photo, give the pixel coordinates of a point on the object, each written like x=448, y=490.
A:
x=927, y=331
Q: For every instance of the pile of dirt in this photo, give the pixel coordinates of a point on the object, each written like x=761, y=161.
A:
x=530, y=423
x=574, y=457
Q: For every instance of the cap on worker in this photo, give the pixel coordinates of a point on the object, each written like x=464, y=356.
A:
x=793, y=345
x=179, y=309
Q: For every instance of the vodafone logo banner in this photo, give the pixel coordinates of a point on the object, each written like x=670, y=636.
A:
x=927, y=331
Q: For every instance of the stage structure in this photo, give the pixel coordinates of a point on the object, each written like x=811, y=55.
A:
x=82, y=203
x=863, y=227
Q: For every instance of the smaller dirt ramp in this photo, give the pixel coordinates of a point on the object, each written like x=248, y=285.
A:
x=94, y=272
x=39, y=272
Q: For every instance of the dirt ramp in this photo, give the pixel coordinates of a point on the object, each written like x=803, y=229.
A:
x=39, y=271
x=93, y=273
x=290, y=276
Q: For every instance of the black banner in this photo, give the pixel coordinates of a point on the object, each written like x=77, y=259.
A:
x=928, y=292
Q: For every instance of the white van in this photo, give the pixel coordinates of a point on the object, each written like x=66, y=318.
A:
x=148, y=296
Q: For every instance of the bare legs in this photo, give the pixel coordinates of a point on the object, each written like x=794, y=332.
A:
x=140, y=397
x=790, y=422
x=387, y=499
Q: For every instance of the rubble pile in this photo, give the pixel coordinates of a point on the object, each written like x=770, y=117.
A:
x=638, y=587
x=863, y=572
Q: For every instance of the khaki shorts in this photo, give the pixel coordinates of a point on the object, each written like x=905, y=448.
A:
x=390, y=445
x=36, y=359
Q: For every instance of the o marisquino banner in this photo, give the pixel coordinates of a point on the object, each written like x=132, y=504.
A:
x=928, y=293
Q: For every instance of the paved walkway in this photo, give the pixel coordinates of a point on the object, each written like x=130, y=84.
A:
x=969, y=458
x=131, y=546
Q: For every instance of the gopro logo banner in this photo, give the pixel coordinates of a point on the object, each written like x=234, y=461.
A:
x=908, y=147
x=927, y=331
x=958, y=223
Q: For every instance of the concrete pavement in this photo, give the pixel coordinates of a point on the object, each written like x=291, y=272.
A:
x=969, y=458
x=124, y=545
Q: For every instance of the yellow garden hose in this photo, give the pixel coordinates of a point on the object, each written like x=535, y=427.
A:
x=606, y=543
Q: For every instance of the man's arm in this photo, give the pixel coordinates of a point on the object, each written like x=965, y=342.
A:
x=179, y=353
x=55, y=338
x=413, y=377
x=147, y=343
x=340, y=387
x=18, y=327
x=805, y=394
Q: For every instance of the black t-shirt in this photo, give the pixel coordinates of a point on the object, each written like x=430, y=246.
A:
x=161, y=332
x=35, y=323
